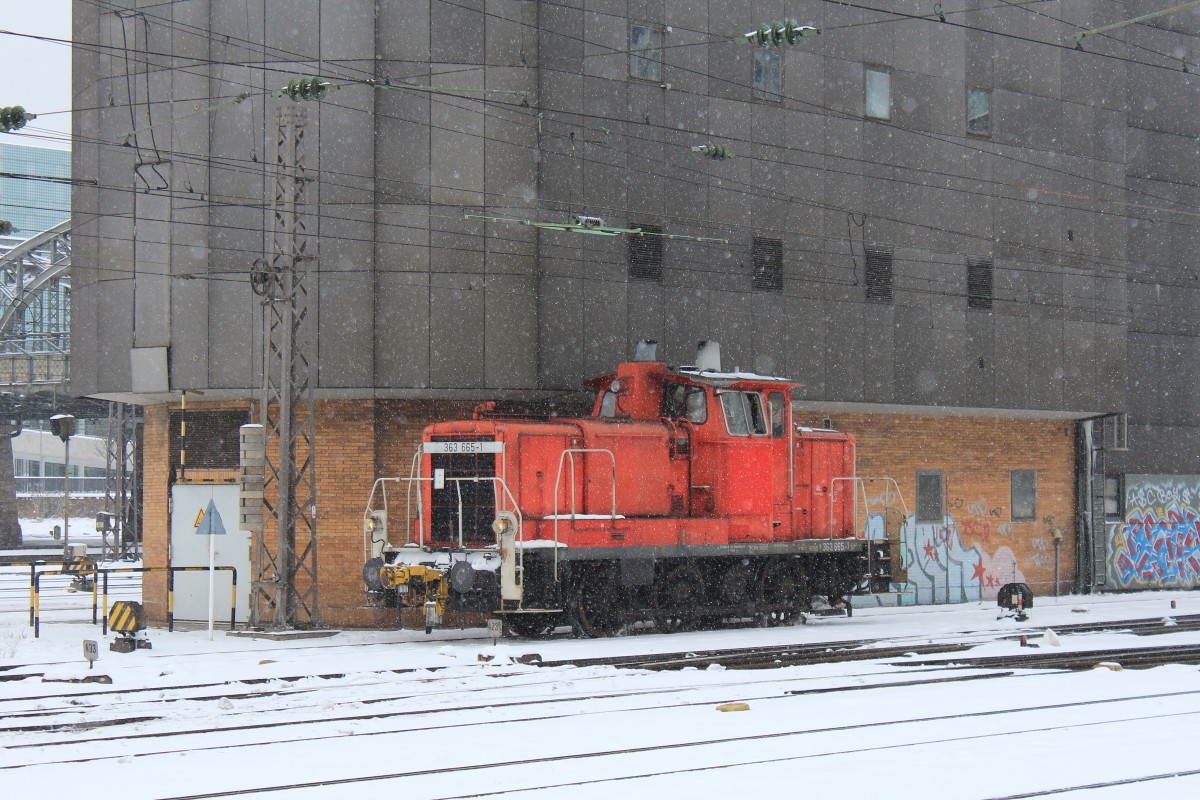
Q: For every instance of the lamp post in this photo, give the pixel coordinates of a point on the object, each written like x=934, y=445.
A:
x=63, y=426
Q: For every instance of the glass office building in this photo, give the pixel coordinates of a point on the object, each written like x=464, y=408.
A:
x=37, y=202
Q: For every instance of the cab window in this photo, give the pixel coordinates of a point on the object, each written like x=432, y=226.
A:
x=777, y=411
x=743, y=414
x=681, y=401
x=608, y=404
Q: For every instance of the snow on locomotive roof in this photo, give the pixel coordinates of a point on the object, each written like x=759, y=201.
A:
x=730, y=376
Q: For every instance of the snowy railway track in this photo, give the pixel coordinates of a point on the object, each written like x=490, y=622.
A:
x=998, y=723
x=853, y=650
x=88, y=726
x=417, y=719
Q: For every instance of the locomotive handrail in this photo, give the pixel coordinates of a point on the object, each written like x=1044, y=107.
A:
x=376, y=488
x=568, y=455
x=862, y=483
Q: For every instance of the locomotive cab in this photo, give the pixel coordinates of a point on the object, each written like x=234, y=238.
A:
x=688, y=496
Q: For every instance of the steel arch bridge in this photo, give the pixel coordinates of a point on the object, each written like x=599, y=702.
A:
x=35, y=356
x=35, y=314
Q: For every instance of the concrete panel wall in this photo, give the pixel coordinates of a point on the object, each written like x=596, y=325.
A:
x=528, y=112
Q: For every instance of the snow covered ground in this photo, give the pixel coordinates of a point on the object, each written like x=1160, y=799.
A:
x=452, y=715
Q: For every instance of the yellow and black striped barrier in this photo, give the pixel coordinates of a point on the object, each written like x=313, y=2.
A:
x=125, y=617
x=35, y=591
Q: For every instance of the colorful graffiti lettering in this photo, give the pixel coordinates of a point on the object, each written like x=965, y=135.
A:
x=1150, y=491
x=941, y=569
x=1158, y=547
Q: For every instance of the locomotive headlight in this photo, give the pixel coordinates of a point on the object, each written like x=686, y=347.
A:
x=615, y=387
x=504, y=523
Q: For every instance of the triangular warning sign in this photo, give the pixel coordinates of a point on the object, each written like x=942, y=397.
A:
x=211, y=524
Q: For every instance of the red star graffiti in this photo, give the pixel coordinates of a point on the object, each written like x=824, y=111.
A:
x=930, y=552
x=979, y=573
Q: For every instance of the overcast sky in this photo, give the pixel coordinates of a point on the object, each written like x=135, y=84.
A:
x=37, y=73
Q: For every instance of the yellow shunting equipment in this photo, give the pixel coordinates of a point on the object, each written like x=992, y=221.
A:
x=417, y=585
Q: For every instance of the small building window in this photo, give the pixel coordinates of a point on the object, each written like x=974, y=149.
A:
x=768, y=80
x=979, y=283
x=1023, y=494
x=979, y=112
x=767, y=255
x=646, y=253
x=879, y=94
x=1114, y=496
x=645, y=52
x=879, y=275
x=930, y=498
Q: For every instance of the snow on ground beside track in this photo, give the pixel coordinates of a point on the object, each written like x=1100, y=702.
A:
x=424, y=717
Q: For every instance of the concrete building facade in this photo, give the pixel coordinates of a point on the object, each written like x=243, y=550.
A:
x=965, y=239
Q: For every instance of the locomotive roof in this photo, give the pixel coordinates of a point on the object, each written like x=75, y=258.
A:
x=706, y=377
x=727, y=378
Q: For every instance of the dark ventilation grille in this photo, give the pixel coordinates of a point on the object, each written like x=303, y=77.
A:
x=476, y=500
x=767, y=255
x=879, y=275
x=646, y=253
x=979, y=283
x=212, y=438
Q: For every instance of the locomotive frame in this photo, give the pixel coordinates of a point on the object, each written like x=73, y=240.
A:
x=689, y=497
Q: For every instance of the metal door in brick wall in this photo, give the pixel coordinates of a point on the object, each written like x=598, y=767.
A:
x=190, y=504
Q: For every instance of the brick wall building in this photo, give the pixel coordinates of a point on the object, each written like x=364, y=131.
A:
x=963, y=241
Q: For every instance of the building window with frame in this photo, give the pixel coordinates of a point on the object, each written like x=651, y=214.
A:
x=878, y=103
x=879, y=275
x=1114, y=496
x=768, y=75
x=645, y=52
x=1023, y=494
x=767, y=258
x=930, y=496
x=646, y=253
x=979, y=283
x=979, y=112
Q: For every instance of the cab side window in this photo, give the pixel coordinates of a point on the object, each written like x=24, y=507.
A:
x=684, y=402
x=743, y=414
x=777, y=410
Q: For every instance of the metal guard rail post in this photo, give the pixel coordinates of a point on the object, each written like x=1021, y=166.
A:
x=33, y=565
x=35, y=611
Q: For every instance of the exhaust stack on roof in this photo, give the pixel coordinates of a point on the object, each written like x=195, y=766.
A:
x=647, y=350
x=708, y=356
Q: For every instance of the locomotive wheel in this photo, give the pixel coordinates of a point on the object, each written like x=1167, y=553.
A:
x=736, y=586
x=782, y=593
x=596, y=609
x=680, y=595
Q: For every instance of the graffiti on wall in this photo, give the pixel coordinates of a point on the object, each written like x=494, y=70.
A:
x=1158, y=543
x=942, y=569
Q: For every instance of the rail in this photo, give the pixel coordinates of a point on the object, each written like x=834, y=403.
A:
x=568, y=455
x=861, y=483
x=53, y=485
x=499, y=489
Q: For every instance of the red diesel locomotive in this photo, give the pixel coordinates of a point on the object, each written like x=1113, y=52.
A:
x=686, y=498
